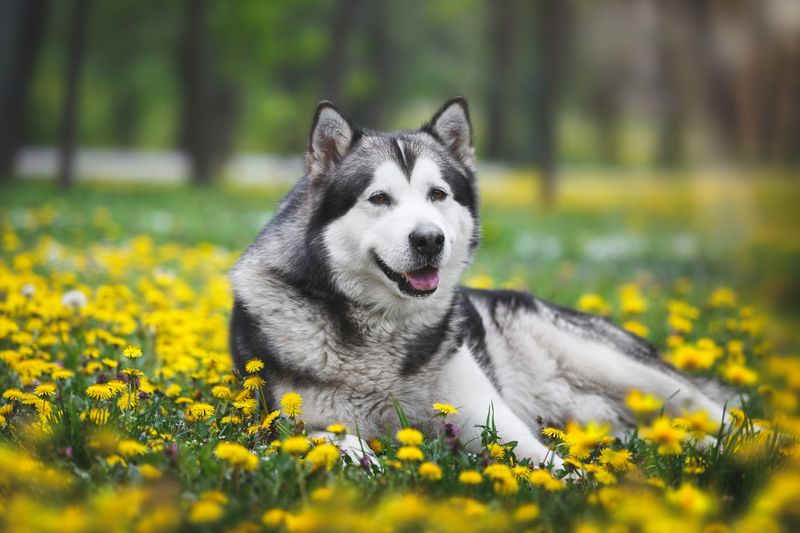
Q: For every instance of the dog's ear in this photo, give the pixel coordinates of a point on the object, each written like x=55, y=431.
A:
x=451, y=125
x=331, y=136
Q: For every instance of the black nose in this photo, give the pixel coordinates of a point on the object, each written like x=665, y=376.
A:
x=427, y=240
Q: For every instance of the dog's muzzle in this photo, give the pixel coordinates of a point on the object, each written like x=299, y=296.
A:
x=420, y=282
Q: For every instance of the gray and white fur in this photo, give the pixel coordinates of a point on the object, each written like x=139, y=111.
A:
x=350, y=296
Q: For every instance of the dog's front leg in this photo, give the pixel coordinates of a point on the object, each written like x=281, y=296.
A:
x=468, y=388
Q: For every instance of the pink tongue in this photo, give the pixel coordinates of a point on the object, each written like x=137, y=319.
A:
x=424, y=280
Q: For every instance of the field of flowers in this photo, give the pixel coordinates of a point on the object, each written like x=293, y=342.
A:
x=120, y=411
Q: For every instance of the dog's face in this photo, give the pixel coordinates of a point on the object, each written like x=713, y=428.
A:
x=396, y=213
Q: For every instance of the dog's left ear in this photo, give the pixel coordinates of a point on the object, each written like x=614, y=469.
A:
x=330, y=138
x=451, y=125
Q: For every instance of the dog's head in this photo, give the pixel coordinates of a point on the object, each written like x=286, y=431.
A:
x=396, y=213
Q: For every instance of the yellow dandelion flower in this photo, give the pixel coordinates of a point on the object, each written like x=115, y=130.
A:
x=430, y=471
x=322, y=494
x=324, y=456
x=582, y=440
x=132, y=352
x=410, y=453
x=253, y=383
x=643, y=403
x=45, y=389
x=699, y=424
x=236, y=455
x=149, y=472
x=96, y=415
x=690, y=499
x=13, y=394
x=253, y=365
x=131, y=448
x=201, y=411
x=296, y=445
x=722, y=297
x=221, y=392
x=470, y=477
x=545, y=479
x=527, y=513
x=498, y=451
x=376, y=446
x=269, y=419
x=99, y=391
x=445, y=409
x=116, y=386
x=291, y=404
x=128, y=401
x=246, y=405
x=409, y=437
x=337, y=429
x=739, y=375
x=205, y=511
x=172, y=390
x=593, y=303
x=637, y=328
x=665, y=434
x=554, y=433
x=273, y=517
x=3, y=421
x=619, y=460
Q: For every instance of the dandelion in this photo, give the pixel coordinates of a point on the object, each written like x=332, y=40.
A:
x=497, y=451
x=642, y=403
x=690, y=499
x=96, y=415
x=246, y=405
x=205, y=511
x=132, y=352
x=637, y=328
x=273, y=517
x=430, y=471
x=739, y=375
x=236, y=455
x=666, y=435
x=445, y=409
x=253, y=383
x=269, y=419
x=131, y=448
x=149, y=472
x=410, y=453
x=376, y=446
x=582, y=441
x=45, y=389
x=253, y=365
x=470, y=477
x=201, y=411
x=128, y=401
x=221, y=392
x=409, y=437
x=296, y=445
x=99, y=392
x=527, y=513
x=545, y=479
x=324, y=456
x=619, y=460
x=13, y=394
x=698, y=423
x=338, y=429
x=554, y=433
x=722, y=297
x=291, y=402
x=593, y=303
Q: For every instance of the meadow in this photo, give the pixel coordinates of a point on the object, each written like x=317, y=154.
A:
x=120, y=410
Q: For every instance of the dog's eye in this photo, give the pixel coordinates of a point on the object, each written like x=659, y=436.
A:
x=437, y=195
x=380, y=198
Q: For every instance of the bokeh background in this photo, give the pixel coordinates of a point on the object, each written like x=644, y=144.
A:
x=617, y=139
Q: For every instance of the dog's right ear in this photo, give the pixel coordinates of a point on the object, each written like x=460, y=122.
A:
x=331, y=136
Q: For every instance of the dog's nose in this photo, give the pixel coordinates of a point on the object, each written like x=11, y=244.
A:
x=427, y=240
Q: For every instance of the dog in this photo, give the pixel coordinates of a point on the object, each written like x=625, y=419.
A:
x=350, y=296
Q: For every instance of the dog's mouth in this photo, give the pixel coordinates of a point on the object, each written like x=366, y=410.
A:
x=419, y=283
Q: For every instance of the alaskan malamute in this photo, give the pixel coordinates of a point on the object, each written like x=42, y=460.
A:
x=350, y=296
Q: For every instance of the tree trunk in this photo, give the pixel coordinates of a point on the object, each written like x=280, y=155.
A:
x=551, y=31
x=336, y=61
x=501, y=35
x=69, y=119
x=20, y=41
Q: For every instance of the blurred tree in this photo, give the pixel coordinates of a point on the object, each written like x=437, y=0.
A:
x=335, y=68
x=210, y=104
x=501, y=20
x=552, y=30
x=71, y=105
x=380, y=66
x=22, y=25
